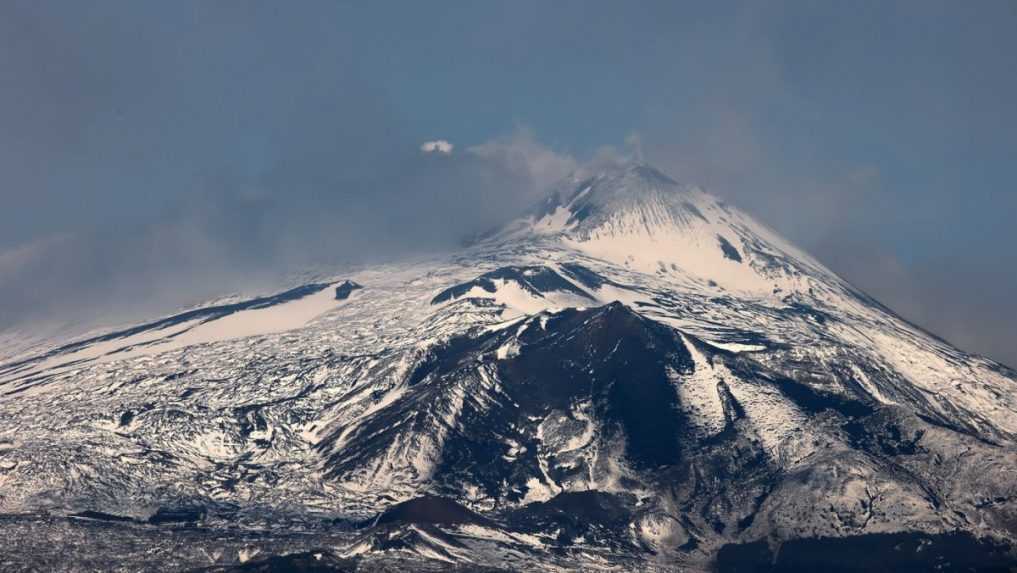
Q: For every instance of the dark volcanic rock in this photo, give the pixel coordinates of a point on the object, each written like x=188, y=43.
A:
x=177, y=515
x=308, y=562
x=343, y=291
x=876, y=553
x=430, y=509
x=534, y=280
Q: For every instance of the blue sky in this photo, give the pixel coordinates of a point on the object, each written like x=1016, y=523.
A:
x=157, y=151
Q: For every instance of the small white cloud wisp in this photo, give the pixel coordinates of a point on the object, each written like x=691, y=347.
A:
x=437, y=146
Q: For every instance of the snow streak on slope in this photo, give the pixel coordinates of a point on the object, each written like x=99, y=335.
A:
x=286, y=311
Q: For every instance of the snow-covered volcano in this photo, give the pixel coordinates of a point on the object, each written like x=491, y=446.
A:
x=634, y=374
x=641, y=219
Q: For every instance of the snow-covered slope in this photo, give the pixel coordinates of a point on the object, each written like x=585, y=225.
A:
x=634, y=374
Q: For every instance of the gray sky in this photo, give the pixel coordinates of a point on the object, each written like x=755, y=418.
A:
x=155, y=153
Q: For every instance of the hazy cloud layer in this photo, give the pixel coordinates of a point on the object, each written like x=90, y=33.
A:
x=165, y=156
x=247, y=235
x=154, y=154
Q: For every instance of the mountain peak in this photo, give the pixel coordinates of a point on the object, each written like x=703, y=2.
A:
x=642, y=171
x=634, y=179
x=633, y=214
x=630, y=170
x=590, y=196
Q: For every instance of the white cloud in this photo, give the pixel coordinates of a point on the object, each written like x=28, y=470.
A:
x=437, y=146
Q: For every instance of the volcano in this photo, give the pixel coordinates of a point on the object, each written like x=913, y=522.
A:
x=632, y=375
